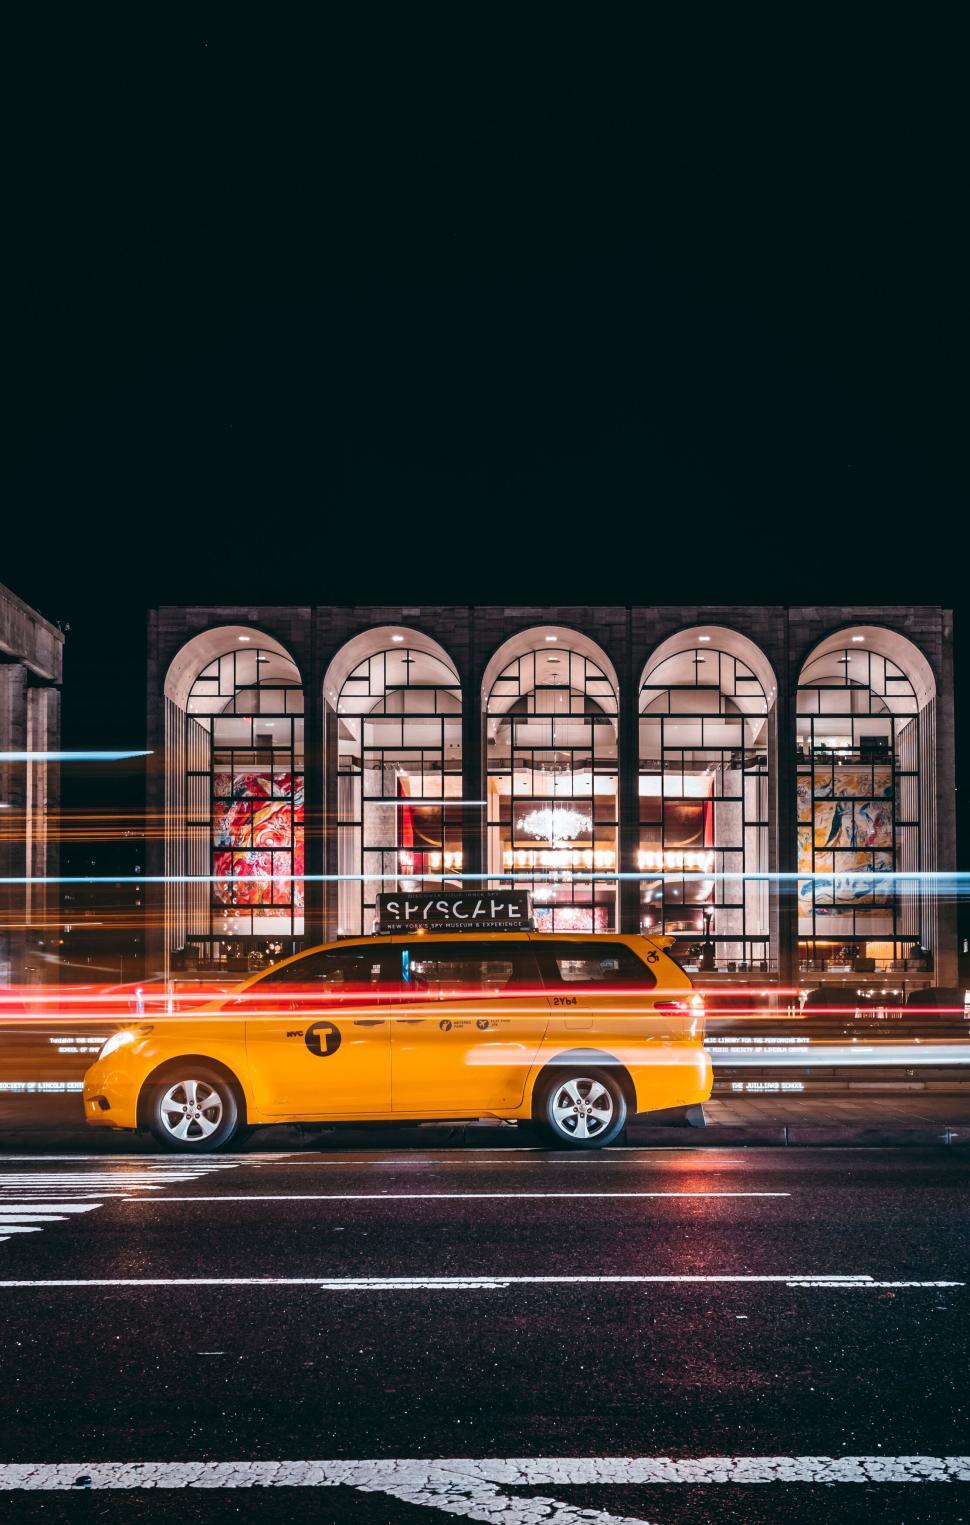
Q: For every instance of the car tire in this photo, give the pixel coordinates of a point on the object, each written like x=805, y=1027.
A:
x=193, y=1109
x=582, y=1107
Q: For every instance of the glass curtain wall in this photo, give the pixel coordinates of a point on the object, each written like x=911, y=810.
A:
x=398, y=717
x=703, y=791
x=244, y=803
x=551, y=768
x=858, y=748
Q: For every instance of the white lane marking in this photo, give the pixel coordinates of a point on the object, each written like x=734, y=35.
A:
x=10, y=1183
x=31, y=1216
x=33, y=1199
x=92, y=1182
x=44, y=1205
x=471, y=1489
x=482, y=1157
x=181, y=1160
x=658, y=1159
x=88, y=1182
x=445, y=1490
x=456, y=1196
x=488, y=1280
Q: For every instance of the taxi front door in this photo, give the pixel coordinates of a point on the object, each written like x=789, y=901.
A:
x=467, y=1026
x=318, y=1038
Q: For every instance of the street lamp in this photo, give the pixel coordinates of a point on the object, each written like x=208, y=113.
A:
x=707, y=952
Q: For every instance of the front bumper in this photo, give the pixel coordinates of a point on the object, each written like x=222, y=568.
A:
x=110, y=1096
x=97, y=1112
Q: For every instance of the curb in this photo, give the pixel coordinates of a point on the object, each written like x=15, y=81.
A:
x=797, y=1135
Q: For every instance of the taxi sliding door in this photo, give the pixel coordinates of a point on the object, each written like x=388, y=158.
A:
x=472, y=1015
x=606, y=998
x=605, y=990
x=317, y=1037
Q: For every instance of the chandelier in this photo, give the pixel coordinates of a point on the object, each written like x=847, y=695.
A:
x=557, y=825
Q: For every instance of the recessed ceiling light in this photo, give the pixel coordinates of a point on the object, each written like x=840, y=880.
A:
x=845, y=659
x=552, y=660
x=245, y=637
x=703, y=638
x=858, y=637
x=397, y=638
x=552, y=637
x=700, y=659
x=262, y=658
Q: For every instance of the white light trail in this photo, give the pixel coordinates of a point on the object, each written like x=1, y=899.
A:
x=49, y=757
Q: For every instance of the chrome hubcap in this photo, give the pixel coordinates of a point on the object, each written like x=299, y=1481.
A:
x=582, y=1108
x=191, y=1109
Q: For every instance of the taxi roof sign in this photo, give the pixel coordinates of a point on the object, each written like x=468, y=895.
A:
x=471, y=911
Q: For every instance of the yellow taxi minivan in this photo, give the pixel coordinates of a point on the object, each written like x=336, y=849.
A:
x=575, y=1031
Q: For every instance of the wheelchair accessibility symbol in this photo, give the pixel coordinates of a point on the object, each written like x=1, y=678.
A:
x=322, y=1039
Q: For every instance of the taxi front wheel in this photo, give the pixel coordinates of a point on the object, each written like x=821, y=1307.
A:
x=583, y=1107
x=193, y=1109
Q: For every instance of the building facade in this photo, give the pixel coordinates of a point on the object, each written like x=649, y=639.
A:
x=31, y=652
x=772, y=786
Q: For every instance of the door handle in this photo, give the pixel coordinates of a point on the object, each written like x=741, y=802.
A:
x=368, y=1021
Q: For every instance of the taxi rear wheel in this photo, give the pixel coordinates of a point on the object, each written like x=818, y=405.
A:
x=582, y=1107
x=193, y=1109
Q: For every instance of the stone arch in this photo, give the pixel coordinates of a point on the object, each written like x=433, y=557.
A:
x=234, y=800
x=866, y=785
x=550, y=700
x=706, y=766
x=393, y=709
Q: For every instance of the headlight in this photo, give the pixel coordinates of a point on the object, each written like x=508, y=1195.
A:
x=116, y=1041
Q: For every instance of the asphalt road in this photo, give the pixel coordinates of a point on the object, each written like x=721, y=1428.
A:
x=370, y=1316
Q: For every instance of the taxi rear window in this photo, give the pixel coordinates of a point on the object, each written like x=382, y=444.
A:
x=607, y=964
x=485, y=968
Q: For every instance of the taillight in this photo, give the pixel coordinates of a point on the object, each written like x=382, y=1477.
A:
x=693, y=1008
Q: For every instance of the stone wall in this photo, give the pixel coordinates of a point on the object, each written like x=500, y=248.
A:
x=31, y=652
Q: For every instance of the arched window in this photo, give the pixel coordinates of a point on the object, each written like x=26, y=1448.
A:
x=235, y=798
x=551, y=767
x=704, y=769
x=861, y=698
x=398, y=759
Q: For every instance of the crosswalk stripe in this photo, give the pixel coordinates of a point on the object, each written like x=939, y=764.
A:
x=25, y=1205
x=224, y=1162
x=35, y=1217
x=30, y=1200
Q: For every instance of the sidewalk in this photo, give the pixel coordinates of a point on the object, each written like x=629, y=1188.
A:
x=821, y=1120
x=53, y=1123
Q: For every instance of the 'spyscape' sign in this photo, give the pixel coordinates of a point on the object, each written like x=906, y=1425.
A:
x=474, y=911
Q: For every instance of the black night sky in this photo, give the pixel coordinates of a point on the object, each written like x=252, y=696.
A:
x=422, y=314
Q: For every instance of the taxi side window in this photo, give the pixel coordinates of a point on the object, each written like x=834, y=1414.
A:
x=350, y=968
x=450, y=971
x=574, y=966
